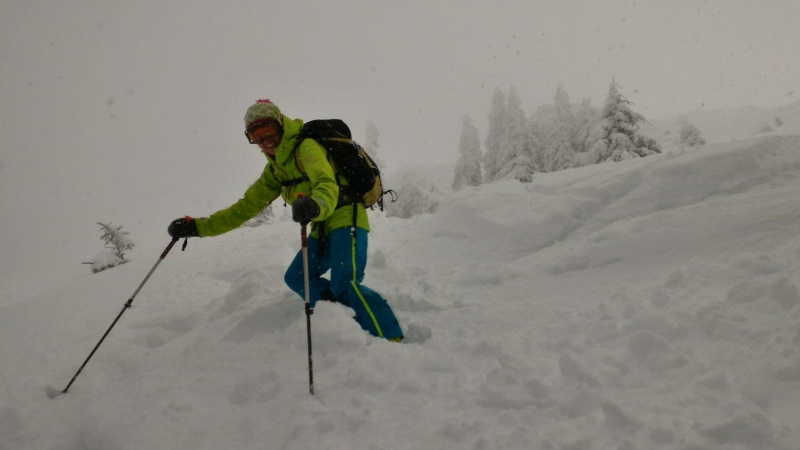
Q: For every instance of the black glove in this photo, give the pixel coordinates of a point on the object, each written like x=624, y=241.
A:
x=183, y=227
x=304, y=209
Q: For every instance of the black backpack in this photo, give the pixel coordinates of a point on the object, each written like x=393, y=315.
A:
x=349, y=160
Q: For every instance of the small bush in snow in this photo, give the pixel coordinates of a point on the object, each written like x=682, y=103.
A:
x=117, y=242
x=689, y=135
x=416, y=195
x=265, y=216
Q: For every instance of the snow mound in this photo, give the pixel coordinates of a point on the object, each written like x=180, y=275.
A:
x=646, y=304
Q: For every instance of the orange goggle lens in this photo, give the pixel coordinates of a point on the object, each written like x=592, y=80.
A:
x=260, y=131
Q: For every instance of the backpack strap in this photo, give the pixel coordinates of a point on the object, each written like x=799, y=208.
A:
x=346, y=195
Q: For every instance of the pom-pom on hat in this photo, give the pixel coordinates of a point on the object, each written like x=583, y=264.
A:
x=263, y=110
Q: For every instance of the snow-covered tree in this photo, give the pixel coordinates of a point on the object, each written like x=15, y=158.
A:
x=416, y=195
x=494, y=137
x=689, y=135
x=559, y=153
x=117, y=242
x=372, y=145
x=585, y=118
x=617, y=135
x=564, y=114
x=468, y=166
x=537, y=132
x=413, y=200
x=560, y=156
x=517, y=147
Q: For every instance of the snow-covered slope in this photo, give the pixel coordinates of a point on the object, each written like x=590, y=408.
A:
x=721, y=126
x=646, y=304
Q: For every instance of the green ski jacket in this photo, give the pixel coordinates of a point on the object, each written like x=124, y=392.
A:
x=320, y=185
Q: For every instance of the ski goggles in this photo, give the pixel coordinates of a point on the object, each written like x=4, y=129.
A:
x=263, y=131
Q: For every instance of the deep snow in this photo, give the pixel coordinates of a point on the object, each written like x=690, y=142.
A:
x=647, y=304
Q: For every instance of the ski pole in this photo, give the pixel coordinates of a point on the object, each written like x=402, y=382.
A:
x=127, y=305
x=309, y=309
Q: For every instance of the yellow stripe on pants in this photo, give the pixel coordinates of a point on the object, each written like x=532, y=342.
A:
x=354, y=283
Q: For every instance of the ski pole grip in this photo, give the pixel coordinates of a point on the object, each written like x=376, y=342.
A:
x=169, y=247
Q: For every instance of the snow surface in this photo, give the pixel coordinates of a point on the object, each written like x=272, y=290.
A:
x=104, y=260
x=647, y=304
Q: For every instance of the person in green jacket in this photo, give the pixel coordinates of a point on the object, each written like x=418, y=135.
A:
x=333, y=245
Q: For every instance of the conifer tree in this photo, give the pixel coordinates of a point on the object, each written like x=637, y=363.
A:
x=689, y=135
x=563, y=108
x=537, y=133
x=617, y=134
x=497, y=118
x=416, y=195
x=517, y=147
x=116, y=240
x=586, y=118
x=468, y=166
x=560, y=154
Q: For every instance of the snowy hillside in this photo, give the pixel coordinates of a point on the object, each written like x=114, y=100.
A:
x=729, y=125
x=648, y=304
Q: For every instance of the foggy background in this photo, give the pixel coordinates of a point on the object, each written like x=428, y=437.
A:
x=131, y=112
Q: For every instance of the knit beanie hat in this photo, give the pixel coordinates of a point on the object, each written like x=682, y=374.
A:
x=261, y=110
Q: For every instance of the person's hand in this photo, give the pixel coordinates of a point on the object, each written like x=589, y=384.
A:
x=304, y=209
x=183, y=227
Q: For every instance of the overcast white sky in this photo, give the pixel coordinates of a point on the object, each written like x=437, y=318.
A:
x=141, y=102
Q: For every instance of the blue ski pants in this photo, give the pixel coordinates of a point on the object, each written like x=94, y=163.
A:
x=346, y=257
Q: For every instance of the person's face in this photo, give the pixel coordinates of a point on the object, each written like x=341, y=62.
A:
x=267, y=135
